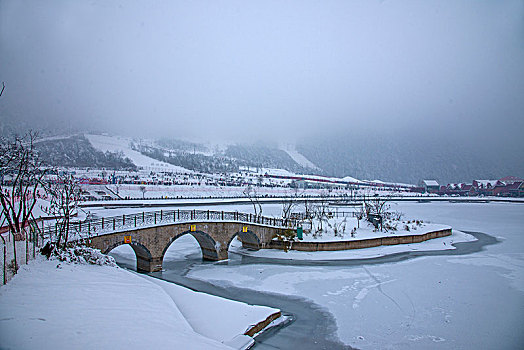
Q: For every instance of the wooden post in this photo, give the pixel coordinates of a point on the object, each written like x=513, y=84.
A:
x=208, y=214
x=123, y=220
x=161, y=215
x=102, y=223
x=143, y=217
x=155, y=217
x=114, y=224
x=135, y=220
x=222, y=215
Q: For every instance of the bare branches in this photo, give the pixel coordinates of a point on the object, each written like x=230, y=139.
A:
x=251, y=193
x=143, y=189
x=21, y=174
x=3, y=88
x=65, y=194
x=377, y=208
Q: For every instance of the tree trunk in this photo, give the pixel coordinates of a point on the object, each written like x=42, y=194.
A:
x=14, y=252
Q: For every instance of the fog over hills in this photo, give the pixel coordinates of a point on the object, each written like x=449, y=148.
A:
x=395, y=90
x=405, y=160
x=410, y=159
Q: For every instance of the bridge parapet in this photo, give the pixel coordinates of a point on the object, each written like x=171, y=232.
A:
x=108, y=225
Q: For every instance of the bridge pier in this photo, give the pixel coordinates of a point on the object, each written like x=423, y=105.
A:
x=145, y=264
x=222, y=254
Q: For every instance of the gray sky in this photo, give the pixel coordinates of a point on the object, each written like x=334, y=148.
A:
x=246, y=70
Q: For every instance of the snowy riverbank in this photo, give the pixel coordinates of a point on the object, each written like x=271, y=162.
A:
x=52, y=305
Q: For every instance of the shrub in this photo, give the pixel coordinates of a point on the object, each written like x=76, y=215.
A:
x=77, y=254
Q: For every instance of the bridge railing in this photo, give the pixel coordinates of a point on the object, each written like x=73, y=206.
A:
x=105, y=225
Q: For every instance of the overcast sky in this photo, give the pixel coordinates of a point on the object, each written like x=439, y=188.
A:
x=247, y=70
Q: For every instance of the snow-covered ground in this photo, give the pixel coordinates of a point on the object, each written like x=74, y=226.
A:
x=52, y=305
x=473, y=301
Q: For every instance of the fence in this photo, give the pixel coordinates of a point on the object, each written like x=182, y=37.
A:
x=96, y=227
x=27, y=246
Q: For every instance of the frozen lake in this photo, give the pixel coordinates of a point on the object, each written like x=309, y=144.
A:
x=466, y=301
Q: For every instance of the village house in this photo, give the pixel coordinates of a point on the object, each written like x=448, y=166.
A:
x=430, y=186
x=486, y=187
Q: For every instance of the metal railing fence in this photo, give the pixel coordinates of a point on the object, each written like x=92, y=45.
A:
x=106, y=225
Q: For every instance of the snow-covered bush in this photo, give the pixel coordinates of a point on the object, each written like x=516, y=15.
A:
x=390, y=225
x=339, y=228
x=77, y=254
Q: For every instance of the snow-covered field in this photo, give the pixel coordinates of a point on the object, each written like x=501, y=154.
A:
x=473, y=301
x=196, y=191
x=52, y=305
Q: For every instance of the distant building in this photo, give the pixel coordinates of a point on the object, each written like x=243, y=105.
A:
x=514, y=189
x=430, y=186
x=487, y=187
x=508, y=180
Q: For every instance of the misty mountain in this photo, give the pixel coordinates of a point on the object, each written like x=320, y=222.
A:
x=392, y=158
x=192, y=161
x=410, y=158
x=199, y=158
x=77, y=151
x=263, y=156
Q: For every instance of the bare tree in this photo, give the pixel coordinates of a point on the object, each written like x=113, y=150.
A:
x=21, y=173
x=377, y=208
x=290, y=204
x=359, y=214
x=65, y=194
x=320, y=211
x=143, y=189
x=251, y=193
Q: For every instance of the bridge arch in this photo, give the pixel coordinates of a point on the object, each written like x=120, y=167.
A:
x=249, y=240
x=207, y=244
x=143, y=255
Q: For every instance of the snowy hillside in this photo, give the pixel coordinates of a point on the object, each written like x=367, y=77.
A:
x=120, y=144
x=298, y=157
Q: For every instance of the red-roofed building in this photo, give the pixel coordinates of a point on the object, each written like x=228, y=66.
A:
x=508, y=180
x=486, y=187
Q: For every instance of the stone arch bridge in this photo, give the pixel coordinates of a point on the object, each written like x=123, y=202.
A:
x=150, y=244
x=150, y=234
